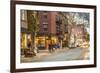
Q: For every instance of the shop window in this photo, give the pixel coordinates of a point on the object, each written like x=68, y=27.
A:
x=23, y=40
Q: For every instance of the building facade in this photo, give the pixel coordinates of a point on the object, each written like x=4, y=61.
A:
x=47, y=27
x=78, y=35
x=24, y=27
x=52, y=28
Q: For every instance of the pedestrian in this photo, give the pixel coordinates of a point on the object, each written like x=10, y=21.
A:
x=29, y=45
x=56, y=46
x=50, y=47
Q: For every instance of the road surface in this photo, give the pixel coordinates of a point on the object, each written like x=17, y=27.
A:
x=60, y=55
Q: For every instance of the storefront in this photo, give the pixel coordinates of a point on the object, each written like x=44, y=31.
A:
x=41, y=42
x=44, y=41
x=23, y=40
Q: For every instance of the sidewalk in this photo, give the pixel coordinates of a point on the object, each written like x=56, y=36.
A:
x=46, y=52
x=41, y=55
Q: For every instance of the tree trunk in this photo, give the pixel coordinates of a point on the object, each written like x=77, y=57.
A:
x=35, y=45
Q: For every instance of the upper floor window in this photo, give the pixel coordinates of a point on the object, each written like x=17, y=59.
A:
x=22, y=14
x=45, y=15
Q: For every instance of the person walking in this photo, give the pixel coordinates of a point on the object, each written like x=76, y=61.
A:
x=50, y=47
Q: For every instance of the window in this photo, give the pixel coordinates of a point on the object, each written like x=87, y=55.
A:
x=22, y=14
x=45, y=26
x=45, y=15
x=45, y=29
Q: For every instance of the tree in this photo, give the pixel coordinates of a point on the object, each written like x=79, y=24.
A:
x=67, y=23
x=33, y=24
x=85, y=18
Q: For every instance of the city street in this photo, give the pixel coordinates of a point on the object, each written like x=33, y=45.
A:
x=58, y=55
x=41, y=30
